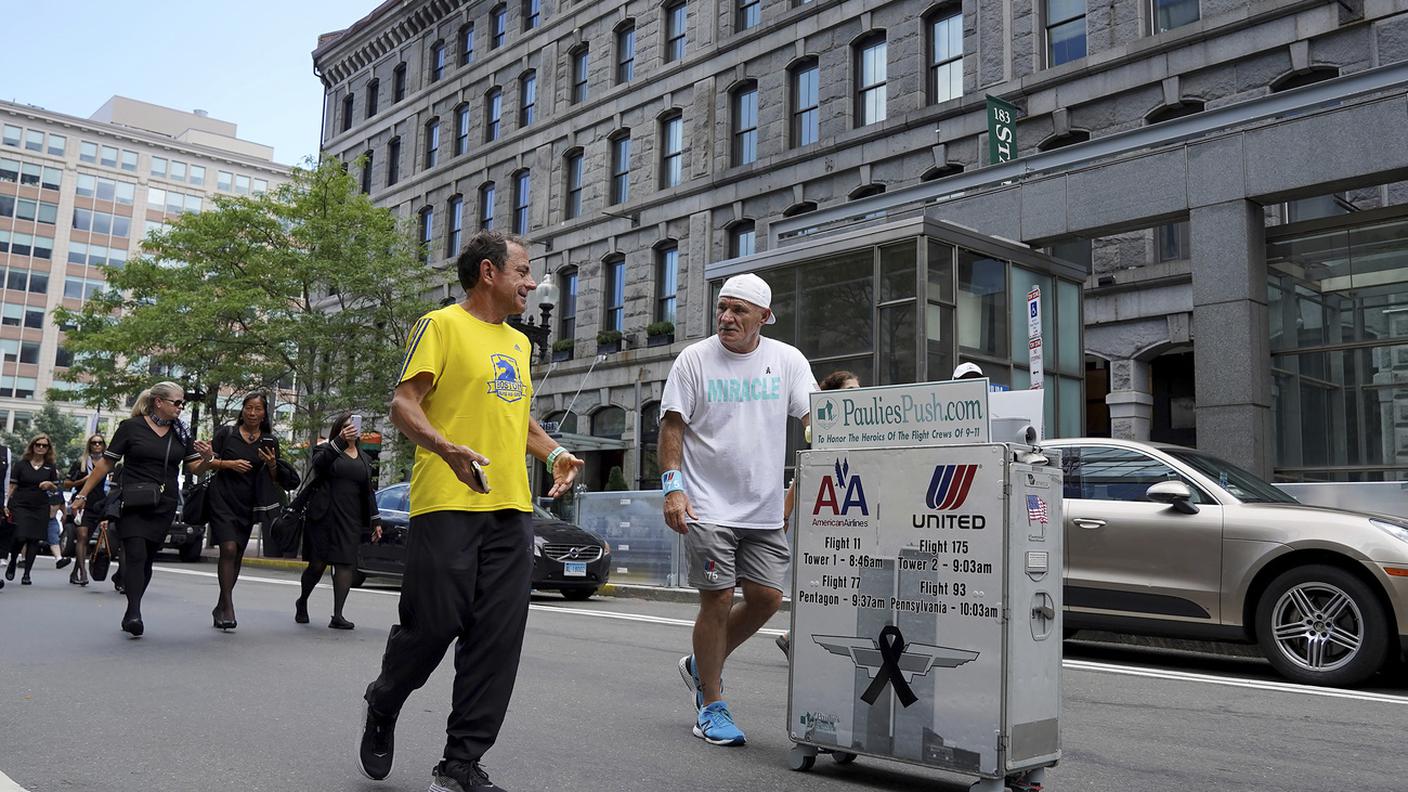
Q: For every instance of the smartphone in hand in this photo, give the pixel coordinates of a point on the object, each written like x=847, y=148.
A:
x=481, y=479
x=356, y=421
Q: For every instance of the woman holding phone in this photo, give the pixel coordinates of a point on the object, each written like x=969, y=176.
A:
x=32, y=478
x=245, y=490
x=341, y=508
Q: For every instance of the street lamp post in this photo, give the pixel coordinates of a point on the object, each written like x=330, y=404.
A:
x=538, y=331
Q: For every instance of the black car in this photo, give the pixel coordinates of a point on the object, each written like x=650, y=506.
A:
x=566, y=558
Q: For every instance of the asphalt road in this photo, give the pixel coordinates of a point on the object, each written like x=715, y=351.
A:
x=275, y=705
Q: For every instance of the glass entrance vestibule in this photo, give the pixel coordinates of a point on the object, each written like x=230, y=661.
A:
x=906, y=301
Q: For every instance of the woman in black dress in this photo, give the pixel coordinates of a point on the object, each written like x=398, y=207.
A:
x=32, y=477
x=152, y=444
x=86, y=519
x=246, y=489
x=341, y=508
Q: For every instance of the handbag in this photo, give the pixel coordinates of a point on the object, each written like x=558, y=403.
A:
x=142, y=495
x=286, y=531
x=102, y=556
x=196, y=508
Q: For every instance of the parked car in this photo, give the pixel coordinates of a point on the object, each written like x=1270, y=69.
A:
x=1171, y=541
x=566, y=558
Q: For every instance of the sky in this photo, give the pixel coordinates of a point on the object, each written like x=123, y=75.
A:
x=247, y=63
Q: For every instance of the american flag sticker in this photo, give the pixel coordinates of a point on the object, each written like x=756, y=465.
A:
x=1036, y=510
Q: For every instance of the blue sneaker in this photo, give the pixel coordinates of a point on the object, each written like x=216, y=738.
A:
x=689, y=672
x=715, y=726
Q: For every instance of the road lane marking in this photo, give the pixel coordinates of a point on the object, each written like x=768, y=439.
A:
x=7, y=785
x=1074, y=665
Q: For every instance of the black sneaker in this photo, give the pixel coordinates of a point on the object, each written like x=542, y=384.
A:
x=377, y=747
x=452, y=776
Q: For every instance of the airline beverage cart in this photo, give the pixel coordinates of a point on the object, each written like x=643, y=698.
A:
x=926, y=602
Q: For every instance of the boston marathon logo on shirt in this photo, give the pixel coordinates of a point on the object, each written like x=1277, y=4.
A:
x=745, y=390
x=506, y=384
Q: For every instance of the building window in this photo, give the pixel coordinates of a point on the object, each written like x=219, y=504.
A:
x=946, y=56
x=871, y=73
x=806, y=103
x=366, y=172
x=427, y=231
x=437, y=61
x=567, y=306
x=573, y=168
x=581, y=59
x=532, y=13
x=462, y=129
x=393, y=161
x=87, y=152
x=466, y=39
x=178, y=171
x=129, y=160
x=242, y=184
x=224, y=180
x=34, y=139
x=493, y=114
x=108, y=157
x=58, y=145
x=346, y=112
x=672, y=150
x=12, y=137
x=1184, y=108
x=1172, y=242
x=667, y=275
x=614, y=316
x=498, y=26
x=197, y=175
x=676, y=17
x=1170, y=14
x=456, y=231
x=1065, y=31
x=486, y=205
x=742, y=240
x=621, y=167
x=398, y=83
x=158, y=168
x=527, y=98
x=432, y=142
x=522, y=195
x=745, y=124
x=625, y=52
x=748, y=16
x=373, y=94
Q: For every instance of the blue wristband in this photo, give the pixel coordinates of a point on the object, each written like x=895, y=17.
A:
x=672, y=481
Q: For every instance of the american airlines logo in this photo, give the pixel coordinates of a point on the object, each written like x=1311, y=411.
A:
x=948, y=489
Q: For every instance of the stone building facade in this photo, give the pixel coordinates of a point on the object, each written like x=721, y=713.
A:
x=744, y=118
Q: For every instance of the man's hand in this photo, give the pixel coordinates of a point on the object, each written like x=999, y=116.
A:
x=459, y=457
x=564, y=472
x=679, y=512
x=376, y=534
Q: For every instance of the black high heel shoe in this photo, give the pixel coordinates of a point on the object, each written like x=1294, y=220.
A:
x=300, y=612
x=25, y=581
x=219, y=623
x=134, y=627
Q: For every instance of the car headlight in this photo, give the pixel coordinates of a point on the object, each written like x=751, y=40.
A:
x=538, y=543
x=1393, y=529
x=606, y=548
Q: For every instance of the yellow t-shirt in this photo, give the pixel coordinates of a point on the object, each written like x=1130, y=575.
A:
x=480, y=399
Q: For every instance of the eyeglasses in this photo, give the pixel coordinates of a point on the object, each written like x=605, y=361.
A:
x=177, y=403
x=96, y=442
x=41, y=445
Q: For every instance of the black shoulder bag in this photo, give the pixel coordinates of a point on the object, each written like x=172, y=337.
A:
x=144, y=495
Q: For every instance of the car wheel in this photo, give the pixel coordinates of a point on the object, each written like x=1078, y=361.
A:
x=358, y=578
x=1323, y=626
x=578, y=595
x=190, y=551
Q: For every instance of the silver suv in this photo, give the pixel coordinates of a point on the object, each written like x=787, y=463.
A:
x=1167, y=540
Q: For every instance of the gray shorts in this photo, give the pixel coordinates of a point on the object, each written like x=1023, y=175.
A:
x=720, y=556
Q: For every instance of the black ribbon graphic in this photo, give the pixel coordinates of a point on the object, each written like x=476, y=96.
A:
x=891, y=645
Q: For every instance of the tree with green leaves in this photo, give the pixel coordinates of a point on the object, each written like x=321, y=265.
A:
x=307, y=292
x=64, y=431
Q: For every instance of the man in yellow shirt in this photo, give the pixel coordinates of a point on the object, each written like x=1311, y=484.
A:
x=463, y=400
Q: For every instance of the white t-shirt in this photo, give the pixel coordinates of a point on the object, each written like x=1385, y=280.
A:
x=735, y=409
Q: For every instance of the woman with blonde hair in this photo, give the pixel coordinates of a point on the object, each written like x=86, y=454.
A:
x=151, y=444
x=32, y=478
x=86, y=520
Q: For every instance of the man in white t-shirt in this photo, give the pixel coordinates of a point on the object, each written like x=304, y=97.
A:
x=723, y=443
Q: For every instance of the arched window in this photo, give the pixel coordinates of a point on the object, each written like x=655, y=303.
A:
x=609, y=421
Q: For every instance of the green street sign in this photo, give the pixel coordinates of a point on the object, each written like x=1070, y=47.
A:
x=1002, y=131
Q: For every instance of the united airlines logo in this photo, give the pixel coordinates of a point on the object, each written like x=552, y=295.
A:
x=506, y=384
x=948, y=489
x=841, y=493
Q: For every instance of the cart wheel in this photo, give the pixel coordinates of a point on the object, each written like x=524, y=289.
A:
x=800, y=759
x=842, y=758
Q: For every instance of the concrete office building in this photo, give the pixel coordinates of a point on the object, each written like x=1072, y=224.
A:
x=76, y=193
x=1226, y=173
